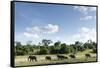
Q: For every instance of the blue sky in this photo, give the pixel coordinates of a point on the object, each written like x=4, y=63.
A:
x=67, y=23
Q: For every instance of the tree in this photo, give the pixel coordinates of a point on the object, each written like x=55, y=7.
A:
x=29, y=49
x=18, y=45
x=43, y=50
x=89, y=44
x=72, y=49
x=78, y=46
x=18, y=49
x=57, y=44
x=64, y=49
x=46, y=42
x=23, y=49
x=94, y=47
x=54, y=50
x=19, y=52
x=77, y=43
x=94, y=50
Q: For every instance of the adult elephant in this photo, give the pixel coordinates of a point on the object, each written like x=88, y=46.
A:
x=87, y=55
x=32, y=58
x=48, y=58
x=61, y=57
x=72, y=56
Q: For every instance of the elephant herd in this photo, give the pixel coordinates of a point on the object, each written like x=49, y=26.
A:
x=60, y=57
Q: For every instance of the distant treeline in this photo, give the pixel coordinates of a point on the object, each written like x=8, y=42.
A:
x=57, y=48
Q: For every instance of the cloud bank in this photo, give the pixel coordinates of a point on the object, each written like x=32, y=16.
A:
x=85, y=34
x=87, y=18
x=37, y=31
x=85, y=11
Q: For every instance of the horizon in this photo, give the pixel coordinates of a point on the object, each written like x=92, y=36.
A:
x=67, y=23
x=40, y=43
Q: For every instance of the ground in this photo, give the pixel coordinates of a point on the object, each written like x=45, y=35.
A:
x=23, y=60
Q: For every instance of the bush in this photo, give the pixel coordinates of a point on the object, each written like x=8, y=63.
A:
x=43, y=51
x=64, y=49
x=95, y=50
x=20, y=52
x=54, y=51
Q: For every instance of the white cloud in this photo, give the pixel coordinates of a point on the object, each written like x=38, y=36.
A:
x=86, y=18
x=36, y=31
x=84, y=9
x=57, y=38
x=85, y=34
x=92, y=9
x=81, y=9
x=31, y=35
x=51, y=28
x=85, y=12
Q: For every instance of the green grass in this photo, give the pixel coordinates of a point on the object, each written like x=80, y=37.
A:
x=23, y=61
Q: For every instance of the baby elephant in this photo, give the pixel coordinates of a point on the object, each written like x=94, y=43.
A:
x=48, y=58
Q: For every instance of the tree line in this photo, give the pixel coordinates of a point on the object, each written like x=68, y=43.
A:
x=57, y=48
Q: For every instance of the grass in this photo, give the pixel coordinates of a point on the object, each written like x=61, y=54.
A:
x=23, y=61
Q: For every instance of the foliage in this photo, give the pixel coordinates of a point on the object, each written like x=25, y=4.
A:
x=43, y=50
x=57, y=48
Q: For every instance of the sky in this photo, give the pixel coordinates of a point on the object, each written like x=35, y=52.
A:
x=65, y=23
